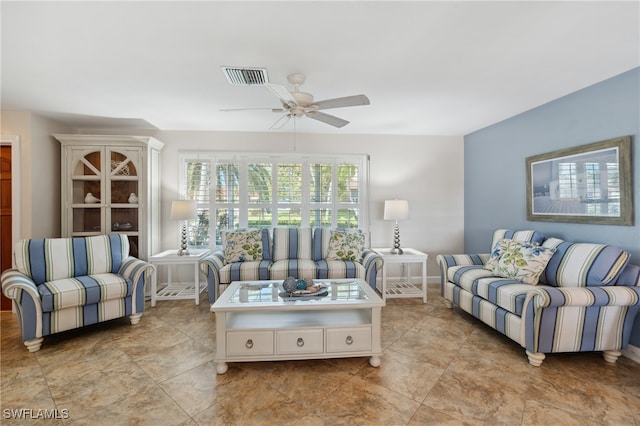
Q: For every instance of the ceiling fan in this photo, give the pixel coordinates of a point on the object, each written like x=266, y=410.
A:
x=298, y=104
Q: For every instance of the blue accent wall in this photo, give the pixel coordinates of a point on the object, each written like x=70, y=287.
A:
x=494, y=164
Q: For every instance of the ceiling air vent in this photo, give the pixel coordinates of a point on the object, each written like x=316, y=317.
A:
x=246, y=76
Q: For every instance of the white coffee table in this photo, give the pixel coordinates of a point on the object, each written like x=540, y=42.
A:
x=254, y=323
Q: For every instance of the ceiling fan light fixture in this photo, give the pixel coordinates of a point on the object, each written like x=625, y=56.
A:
x=302, y=98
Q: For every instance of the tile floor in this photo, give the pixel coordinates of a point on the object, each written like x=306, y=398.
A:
x=440, y=366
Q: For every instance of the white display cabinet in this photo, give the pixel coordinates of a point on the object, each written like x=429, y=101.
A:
x=111, y=183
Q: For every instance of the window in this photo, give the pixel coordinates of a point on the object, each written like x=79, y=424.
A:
x=613, y=182
x=240, y=191
x=592, y=176
x=594, y=184
x=568, y=188
x=197, y=187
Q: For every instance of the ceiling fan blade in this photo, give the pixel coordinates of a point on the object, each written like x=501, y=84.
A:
x=251, y=109
x=326, y=118
x=282, y=93
x=280, y=122
x=347, y=101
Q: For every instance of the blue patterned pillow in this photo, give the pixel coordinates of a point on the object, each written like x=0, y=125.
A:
x=583, y=264
x=630, y=276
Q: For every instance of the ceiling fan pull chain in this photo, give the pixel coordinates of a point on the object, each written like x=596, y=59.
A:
x=294, y=134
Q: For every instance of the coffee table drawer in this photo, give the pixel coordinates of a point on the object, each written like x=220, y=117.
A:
x=249, y=343
x=308, y=341
x=348, y=339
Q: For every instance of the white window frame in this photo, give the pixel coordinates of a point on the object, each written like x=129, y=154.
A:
x=243, y=159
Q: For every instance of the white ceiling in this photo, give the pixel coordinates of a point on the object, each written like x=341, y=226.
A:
x=429, y=68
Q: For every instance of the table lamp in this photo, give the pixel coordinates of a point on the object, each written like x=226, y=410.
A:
x=183, y=210
x=396, y=210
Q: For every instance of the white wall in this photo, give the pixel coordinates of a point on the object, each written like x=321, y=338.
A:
x=426, y=170
x=46, y=157
x=40, y=171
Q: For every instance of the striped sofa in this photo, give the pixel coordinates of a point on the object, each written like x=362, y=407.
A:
x=586, y=300
x=290, y=251
x=65, y=283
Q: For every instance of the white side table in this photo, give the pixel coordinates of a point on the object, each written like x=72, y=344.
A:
x=179, y=290
x=405, y=287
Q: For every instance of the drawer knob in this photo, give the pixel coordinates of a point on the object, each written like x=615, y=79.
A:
x=300, y=342
x=349, y=340
x=249, y=344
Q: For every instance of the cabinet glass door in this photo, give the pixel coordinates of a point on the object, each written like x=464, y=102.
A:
x=123, y=211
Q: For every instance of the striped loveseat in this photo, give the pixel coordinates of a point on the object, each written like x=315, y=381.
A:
x=586, y=300
x=289, y=251
x=65, y=283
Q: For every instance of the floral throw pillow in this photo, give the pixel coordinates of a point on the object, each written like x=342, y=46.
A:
x=346, y=246
x=492, y=262
x=243, y=246
x=498, y=249
x=519, y=261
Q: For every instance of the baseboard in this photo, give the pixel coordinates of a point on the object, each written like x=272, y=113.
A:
x=632, y=352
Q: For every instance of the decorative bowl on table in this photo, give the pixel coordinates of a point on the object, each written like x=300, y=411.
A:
x=302, y=288
x=289, y=284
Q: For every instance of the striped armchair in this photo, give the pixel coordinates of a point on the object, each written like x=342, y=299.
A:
x=64, y=283
x=586, y=300
x=290, y=251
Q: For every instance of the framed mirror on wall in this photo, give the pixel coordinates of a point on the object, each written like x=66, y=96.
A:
x=585, y=184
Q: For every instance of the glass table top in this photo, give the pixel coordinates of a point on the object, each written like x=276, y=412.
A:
x=269, y=292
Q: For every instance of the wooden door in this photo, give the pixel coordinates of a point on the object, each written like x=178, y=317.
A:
x=5, y=216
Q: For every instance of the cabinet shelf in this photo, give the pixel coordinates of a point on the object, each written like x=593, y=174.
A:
x=85, y=177
x=124, y=206
x=129, y=178
x=88, y=206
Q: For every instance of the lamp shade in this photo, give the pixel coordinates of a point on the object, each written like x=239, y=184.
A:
x=396, y=209
x=183, y=210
